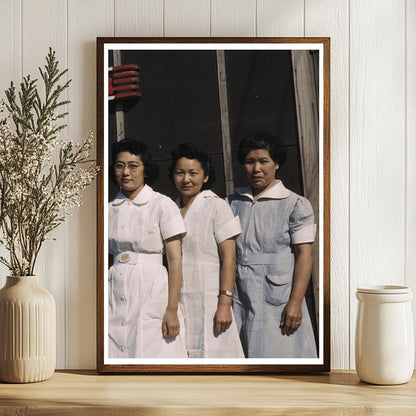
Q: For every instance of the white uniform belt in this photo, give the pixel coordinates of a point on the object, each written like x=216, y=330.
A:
x=130, y=257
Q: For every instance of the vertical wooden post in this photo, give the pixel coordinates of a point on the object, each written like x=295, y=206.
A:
x=119, y=106
x=307, y=110
x=225, y=124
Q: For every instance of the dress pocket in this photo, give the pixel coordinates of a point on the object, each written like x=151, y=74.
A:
x=277, y=288
x=157, y=297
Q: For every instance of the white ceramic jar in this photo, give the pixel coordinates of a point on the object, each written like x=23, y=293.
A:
x=384, y=337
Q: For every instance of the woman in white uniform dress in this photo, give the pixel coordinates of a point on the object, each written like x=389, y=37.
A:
x=143, y=297
x=208, y=261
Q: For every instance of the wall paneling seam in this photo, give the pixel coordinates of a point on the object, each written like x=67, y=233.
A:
x=21, y=39
x=405, y=143
x=304, y=17
x=114, y=18
x=163, y=18
x=66, y=221
x=349, y=187
x=210, y=18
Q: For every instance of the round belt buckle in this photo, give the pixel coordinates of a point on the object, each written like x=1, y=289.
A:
x=124, y=258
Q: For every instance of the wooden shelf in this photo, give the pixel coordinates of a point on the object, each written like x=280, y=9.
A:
x=87, y=393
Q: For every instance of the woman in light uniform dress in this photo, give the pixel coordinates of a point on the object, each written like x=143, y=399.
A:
x=208, y=261
x=274, y=257
x=143, y=298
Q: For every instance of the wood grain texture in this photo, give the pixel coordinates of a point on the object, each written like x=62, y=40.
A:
x=233, y=18
x=99, y=218
x=410, y=265
x=138, y=18
x=225, y=123
x=187, y=18
x=280, y=18
x=338, y=394
x=307, y=104
x=331, y=18
x=377, y=147
x=227, y=368
x=85, y=20
x=44, y=25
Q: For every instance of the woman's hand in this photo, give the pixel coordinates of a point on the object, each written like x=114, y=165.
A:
x=291, y=317
x=292, y=313
x=170, y=324
x=223, y=316
x=222, y=319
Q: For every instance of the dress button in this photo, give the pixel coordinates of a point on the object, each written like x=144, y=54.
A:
x=123, y=323
x=245, y=258
x=123, y=298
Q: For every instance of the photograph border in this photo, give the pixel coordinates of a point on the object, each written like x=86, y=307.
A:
x=226, y=368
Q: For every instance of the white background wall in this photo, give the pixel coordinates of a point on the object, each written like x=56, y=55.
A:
x=373, y=132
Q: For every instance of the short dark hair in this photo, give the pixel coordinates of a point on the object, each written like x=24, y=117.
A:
x=135, y=147
x=265, y=141
x=189, y=151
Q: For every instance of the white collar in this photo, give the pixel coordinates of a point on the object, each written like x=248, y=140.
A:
x=203, y=194
x=208, y=194
x=142, y=198
x=277, y=191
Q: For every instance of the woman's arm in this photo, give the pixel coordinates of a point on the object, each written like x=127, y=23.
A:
x=170, y=323
x=223, y=315
x=292, y=313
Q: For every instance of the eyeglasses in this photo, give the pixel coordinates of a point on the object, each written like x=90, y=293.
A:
x=119, y=167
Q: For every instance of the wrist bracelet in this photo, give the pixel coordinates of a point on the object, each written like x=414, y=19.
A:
x=226, y=293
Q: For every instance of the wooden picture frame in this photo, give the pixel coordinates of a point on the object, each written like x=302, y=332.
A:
x=306, y=96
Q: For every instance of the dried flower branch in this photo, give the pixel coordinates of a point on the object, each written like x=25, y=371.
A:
x=36, y=194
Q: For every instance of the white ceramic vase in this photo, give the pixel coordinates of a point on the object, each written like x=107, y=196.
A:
x=27, y=331
x=384, y=338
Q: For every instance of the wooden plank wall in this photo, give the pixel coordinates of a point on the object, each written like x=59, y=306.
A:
x=373, y=130
x=410, y=150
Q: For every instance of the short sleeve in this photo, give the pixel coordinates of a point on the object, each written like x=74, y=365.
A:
x=302, y=225
x=225, y=224
x=171, y=221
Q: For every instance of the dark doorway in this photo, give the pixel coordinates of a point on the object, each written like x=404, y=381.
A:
x=180, y=103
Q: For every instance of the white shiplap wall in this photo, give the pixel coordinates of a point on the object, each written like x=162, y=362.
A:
x=373, y=131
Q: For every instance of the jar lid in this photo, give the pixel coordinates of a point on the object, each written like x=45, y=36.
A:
x=384, y=289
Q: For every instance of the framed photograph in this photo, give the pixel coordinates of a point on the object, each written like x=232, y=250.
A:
x=196, y=275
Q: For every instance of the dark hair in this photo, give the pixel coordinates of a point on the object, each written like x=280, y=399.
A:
x=265, y=141
x=133, y=146
x=189, y=151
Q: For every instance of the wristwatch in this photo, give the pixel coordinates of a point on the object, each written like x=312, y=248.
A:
x=226, y=293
